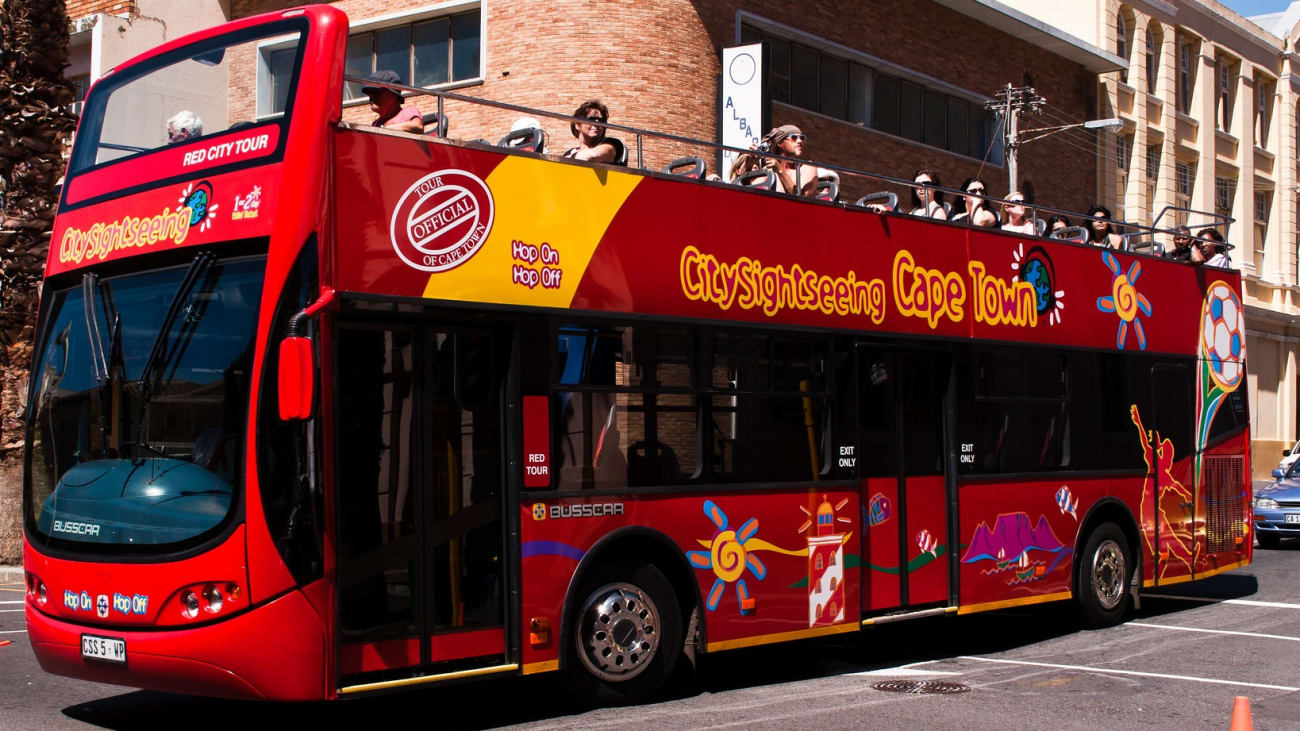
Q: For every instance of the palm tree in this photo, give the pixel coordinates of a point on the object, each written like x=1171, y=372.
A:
x=35, y=124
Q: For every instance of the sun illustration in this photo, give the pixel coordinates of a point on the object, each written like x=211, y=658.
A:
x=730, y=553
x=1125, y=300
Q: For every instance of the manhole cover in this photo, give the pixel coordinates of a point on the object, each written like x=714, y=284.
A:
x=920, y=687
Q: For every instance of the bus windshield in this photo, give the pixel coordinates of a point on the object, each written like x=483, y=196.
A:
x=198, y=91
x=139, y=406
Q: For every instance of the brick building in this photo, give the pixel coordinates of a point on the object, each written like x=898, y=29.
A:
x=887, y=87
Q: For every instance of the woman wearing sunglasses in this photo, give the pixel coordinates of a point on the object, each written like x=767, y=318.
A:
x=926, y=201
x=593, y=145
x=1017, y=220
x=973, y=209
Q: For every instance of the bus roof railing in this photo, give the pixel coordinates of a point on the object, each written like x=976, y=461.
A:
x=1133, y=240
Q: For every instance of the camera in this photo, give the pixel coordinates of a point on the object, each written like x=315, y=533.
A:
x=764, y=146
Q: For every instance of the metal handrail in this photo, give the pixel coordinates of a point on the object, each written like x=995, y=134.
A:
x=1034, y=209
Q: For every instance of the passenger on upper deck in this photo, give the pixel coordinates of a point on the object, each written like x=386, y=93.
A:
x=926, y=201
x=1214, y=248
x=184, y=125
x=1017, y=222
x=593, y=144
x=387, y=105
x=1056, y=222
x=531, y=123
x=1183, y=250
x=973, y=209
x=792, y=177
x=1102, y=233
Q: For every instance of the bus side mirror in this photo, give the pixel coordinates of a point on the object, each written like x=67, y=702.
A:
x=295, y=378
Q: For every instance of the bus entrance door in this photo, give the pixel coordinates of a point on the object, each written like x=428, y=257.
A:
x=906, y=543
x=420, y=541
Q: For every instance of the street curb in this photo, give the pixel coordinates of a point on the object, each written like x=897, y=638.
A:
x=11, y=575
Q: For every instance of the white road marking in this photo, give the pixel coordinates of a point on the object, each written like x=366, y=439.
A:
x=20, y=601
x=1139, y=673
x=1210, y=600
x=2, y=611
x=902, y=671
x=13, y=632
x=1213, y=631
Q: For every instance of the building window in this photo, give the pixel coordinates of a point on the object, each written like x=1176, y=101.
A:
x=1224, y=190
x=1153, y=177
x=1263, y=111
x=1123, y=152
x=1153, y=58
x=423, y=53
x=1185, y=77
x=1262, y=201
x=844, y=88
x=1121, y=42
x=1226, y=94
x=1184, y=180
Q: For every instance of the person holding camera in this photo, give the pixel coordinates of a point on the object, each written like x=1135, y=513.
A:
x=793, y=178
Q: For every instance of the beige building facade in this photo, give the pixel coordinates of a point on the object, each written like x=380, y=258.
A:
x=1209, y=105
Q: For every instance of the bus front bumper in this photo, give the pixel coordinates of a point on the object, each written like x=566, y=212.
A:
x=275, y=651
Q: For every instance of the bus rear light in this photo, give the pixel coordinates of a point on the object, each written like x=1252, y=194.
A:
x=203, y=601
x=189, y=604
x=212, y=601
x=36, y=591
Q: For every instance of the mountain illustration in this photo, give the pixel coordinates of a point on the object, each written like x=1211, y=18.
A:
x=1010, y=536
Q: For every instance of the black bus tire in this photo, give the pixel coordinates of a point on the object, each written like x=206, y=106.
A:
x=625, y=634
x=1102, y=582
x=1268, y=540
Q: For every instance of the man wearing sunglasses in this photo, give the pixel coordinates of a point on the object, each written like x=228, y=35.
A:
x=1183, y=250
x=792, y=177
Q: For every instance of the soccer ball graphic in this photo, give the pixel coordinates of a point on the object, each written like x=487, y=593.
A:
x=1223, y=335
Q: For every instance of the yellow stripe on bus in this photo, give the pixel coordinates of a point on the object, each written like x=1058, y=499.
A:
x=566, y=207
x=545, y=666
x=800, y=634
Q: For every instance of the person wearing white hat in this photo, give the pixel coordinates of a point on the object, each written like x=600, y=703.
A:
x=530, y=123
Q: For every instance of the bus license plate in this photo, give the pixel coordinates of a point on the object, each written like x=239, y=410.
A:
x=109, y=649
x=1292, y=518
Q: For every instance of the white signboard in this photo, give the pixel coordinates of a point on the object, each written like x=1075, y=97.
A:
x=742, y=99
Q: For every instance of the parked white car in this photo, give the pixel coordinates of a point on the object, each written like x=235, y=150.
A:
x=1289, y=458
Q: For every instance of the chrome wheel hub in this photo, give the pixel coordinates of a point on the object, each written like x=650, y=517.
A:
x=1108, y=573
x=618, y=632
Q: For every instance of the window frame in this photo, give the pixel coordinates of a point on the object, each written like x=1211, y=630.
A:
x=412, y=17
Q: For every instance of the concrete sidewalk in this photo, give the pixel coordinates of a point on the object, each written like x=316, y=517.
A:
x=11, y=575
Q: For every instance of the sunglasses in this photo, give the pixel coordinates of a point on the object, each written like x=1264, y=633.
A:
x=797, y=138
x=596, y=118
x=976, y=191
x=1013, y=204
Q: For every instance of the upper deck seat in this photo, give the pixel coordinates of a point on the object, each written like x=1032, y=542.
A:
x=433, y=125
x=528, y=138
x=1077, y=234
x=763, y=179
x=828, y=187
x=620, y=151
x=691, y=166
x=890, y=200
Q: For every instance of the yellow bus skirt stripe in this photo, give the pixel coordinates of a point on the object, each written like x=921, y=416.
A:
x=782, y=637
x=427, y=679
x=545, y=666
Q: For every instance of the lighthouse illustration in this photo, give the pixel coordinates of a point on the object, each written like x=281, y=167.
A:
x=825, y=564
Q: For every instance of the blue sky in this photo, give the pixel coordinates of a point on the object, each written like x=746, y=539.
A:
x=1256, y=7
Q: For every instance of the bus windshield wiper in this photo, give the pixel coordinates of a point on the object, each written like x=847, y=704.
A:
x=193, y=275
x=91, y=292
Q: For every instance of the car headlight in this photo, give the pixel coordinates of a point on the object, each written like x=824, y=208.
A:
x=1264, y=503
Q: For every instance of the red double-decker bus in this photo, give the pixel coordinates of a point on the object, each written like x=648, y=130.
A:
x=320, y=409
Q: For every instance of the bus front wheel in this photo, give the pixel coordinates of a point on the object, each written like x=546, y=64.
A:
x=626, y=634
x=1103, y=579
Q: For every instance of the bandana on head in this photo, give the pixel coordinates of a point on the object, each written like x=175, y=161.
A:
x=782, y=132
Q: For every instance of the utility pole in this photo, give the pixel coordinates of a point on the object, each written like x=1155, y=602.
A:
x=1011, y=102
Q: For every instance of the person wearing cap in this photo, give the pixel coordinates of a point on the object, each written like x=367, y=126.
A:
x=593, y=144
x=387, y=105
x=792, y=177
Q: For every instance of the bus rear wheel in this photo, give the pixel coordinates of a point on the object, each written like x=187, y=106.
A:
x=1102, y=584
x=626, y=635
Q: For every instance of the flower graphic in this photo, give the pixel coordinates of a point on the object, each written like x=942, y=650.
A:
x=1125, y=300
x=728, y=558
